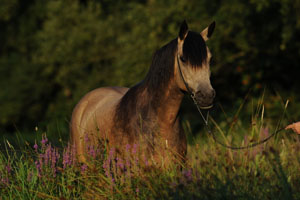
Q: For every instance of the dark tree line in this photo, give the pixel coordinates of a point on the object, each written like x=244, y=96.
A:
x=53, y=52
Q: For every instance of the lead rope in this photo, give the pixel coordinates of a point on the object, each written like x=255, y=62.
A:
x=207, y=126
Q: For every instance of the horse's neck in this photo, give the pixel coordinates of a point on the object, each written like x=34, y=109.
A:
x=167, y=102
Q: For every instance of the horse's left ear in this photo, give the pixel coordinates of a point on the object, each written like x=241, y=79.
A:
x=208, y=31
x=183, y=30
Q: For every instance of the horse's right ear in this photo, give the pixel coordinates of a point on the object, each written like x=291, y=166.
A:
x=183, y=30
x=207, y=32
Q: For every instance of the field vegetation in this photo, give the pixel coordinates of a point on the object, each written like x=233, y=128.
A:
x=267, y=171
x=53, y=52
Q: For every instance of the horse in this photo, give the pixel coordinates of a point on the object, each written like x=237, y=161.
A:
x=147, y=114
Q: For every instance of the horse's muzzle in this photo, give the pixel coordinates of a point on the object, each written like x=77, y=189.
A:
x=205, y=100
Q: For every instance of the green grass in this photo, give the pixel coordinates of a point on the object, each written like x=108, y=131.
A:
x=267, y=171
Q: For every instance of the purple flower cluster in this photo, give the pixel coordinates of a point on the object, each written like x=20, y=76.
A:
x=83, y=168
x=35, y=146
x=48, y=157
x=187, y=174
x=123, y=167
x=5, y=174
x=4, y=181
x=108, y=162
x=69, y=156
x=44, y=140
x=92, y=150
x=8, y=168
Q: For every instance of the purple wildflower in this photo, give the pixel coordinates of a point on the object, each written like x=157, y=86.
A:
x=146, y=161
x=134, y=149
x=107, y=172
x=137, y=190
x=111, y=153
x=127, y=147
x=104, y=165
x=92, y=152
x=83, y=168
x=44, y=139
x=128, y=167
x=5, y=181
x=68, y=156
x=65, y=160
x=54, y=158
x=47, y=155
x=35, y=146
x=8, y=168
x=38, y=167
x=188, y=174
x=120, y=163
x=86, y=137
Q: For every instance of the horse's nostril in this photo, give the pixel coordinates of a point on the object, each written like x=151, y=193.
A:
x=199, y=94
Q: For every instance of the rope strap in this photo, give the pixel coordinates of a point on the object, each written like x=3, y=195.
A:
x=205, y=120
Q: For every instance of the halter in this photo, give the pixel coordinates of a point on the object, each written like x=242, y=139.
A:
x=192, y=95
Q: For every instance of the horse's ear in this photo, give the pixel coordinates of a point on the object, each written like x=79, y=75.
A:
x=208, y=31
x=183, y=30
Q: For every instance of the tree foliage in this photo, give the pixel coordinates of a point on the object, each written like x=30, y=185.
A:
x=53, y=52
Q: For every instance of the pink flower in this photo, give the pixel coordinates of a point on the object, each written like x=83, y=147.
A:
x=127, y=147
x=8, y=168
x=134, y=149
x=35, y=146
x=44, y=140
x=83, y=168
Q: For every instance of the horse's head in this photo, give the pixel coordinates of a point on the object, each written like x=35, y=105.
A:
x=192, y=64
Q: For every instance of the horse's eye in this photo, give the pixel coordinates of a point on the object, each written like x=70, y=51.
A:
x=182, y=59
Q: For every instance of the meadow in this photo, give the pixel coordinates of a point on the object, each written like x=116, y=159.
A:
x=267, y=171
x=53, y=52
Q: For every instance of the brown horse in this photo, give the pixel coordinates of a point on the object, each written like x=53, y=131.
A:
x=147, y=113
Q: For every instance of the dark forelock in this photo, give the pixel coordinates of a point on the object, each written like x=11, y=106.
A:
x=194, y=49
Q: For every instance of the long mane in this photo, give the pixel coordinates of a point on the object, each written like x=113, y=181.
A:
x=143, y=99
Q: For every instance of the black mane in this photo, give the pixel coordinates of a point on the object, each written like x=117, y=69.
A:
x=162, y=68
x=143, y=98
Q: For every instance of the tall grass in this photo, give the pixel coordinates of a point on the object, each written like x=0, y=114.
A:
x=267, y=171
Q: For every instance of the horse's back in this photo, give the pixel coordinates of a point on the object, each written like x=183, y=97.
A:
x=94, y=112
x=97, y=102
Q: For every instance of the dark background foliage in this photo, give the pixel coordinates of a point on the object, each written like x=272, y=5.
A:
x=53, y=52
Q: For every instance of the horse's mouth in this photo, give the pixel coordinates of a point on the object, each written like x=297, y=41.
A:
x=206, y=107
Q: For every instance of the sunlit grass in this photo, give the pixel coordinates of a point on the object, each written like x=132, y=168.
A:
x=212, y=172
